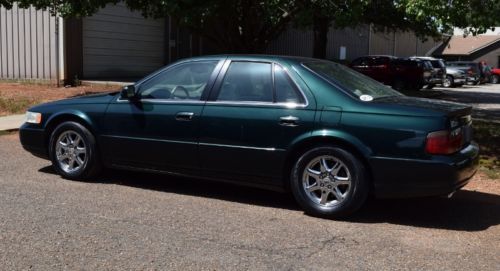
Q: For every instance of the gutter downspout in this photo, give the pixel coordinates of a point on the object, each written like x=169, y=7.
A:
x=370, y=39
x=60, y=51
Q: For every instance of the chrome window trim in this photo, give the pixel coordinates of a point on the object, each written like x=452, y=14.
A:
x=255, y=103
x=163, y=101
x=293, y=82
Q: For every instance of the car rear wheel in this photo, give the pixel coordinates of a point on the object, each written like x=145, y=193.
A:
x=448, y=81
x=73, y=151
x=495, y=79
x=329, y=182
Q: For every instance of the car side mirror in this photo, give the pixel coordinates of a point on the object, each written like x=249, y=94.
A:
x=128, y=92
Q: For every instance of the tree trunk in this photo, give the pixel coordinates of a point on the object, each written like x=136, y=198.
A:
x=320, y=39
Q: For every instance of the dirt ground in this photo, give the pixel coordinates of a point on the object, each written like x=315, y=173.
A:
x=18, y=97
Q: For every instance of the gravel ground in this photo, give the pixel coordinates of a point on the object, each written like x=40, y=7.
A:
x=125, y=221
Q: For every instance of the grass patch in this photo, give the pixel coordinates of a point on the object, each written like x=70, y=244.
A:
x=15, y=106
x=487, y=135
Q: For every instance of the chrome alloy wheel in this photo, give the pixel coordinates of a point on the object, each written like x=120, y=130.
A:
x=71, y=152
x=326, y=181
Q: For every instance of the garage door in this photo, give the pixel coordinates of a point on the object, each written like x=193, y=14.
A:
x=118, y=43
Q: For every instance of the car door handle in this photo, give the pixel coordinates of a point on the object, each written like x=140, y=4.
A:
x=289, y=121
x=184, y=116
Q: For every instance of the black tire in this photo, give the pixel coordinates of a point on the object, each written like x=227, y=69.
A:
x=448, y=82
x=91, y=165
x=354, y=198
x=430, y=86
x=495, y=79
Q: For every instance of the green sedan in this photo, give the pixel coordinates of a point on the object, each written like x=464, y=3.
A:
x=329, y=135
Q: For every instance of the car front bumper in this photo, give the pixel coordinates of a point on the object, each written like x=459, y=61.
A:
x=33, y=140
x=435, y=81
x=442, y=175
x=458, y=81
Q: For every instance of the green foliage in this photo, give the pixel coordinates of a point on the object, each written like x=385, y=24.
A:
x=249, y=25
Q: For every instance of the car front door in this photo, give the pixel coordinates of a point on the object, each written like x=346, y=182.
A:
x=252, y=115
x=159, y=128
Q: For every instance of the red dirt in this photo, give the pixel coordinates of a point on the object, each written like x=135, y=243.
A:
x=39, y=93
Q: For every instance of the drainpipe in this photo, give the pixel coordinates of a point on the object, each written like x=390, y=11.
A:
x=60, y=49
x=394, y=43
x=369, y=39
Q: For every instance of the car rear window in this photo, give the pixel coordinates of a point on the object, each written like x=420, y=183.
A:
x=356, y=83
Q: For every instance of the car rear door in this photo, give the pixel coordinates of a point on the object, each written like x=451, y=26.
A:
x=254, y=112
x=159, y=130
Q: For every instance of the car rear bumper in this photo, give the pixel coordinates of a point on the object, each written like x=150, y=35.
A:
x=399, y=178
x=33, y=140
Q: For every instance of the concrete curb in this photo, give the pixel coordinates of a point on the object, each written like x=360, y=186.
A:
x=11, y=123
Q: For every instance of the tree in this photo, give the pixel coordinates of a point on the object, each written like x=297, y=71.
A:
x=249, y=25
x=233, y=25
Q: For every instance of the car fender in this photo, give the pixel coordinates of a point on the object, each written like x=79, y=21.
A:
x=331, y=135
x=71, y=114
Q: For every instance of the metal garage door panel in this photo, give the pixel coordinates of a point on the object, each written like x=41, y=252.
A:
x=119, y=43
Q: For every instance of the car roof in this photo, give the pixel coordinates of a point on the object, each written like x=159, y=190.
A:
x=256, y=57
x=426, y=57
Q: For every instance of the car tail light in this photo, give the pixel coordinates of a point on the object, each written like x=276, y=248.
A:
x=444, y=142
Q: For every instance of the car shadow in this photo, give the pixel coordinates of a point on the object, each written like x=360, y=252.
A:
x=193, y=187
x=465, y=211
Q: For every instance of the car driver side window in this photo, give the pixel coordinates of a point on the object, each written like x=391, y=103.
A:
x=182, y=82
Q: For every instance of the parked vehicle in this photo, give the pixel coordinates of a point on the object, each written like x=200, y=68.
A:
x=325, y=132
x=411, y=74
x=439, y=70
x=455, y=77
x=495, y=76
x=474, y=71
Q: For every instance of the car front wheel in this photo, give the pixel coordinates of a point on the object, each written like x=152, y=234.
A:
x=448, y=81
x=73, y=151
x=329, y=181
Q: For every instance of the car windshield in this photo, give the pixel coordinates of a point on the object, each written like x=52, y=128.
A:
x=350, y=80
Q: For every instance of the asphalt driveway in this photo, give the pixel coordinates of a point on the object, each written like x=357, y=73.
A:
x=148, y=222
x=485, y=99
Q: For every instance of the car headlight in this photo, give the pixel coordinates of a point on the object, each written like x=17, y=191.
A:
x=33, y=117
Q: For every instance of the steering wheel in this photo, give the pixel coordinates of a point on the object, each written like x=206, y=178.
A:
x=180, y=88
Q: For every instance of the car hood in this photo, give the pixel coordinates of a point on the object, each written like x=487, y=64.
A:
x=423, y=106
x=87, y=99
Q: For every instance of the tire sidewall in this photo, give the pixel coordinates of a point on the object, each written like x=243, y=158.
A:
x=355, y=198
x=495, y=79
x=449, y=78
x=90, y=145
